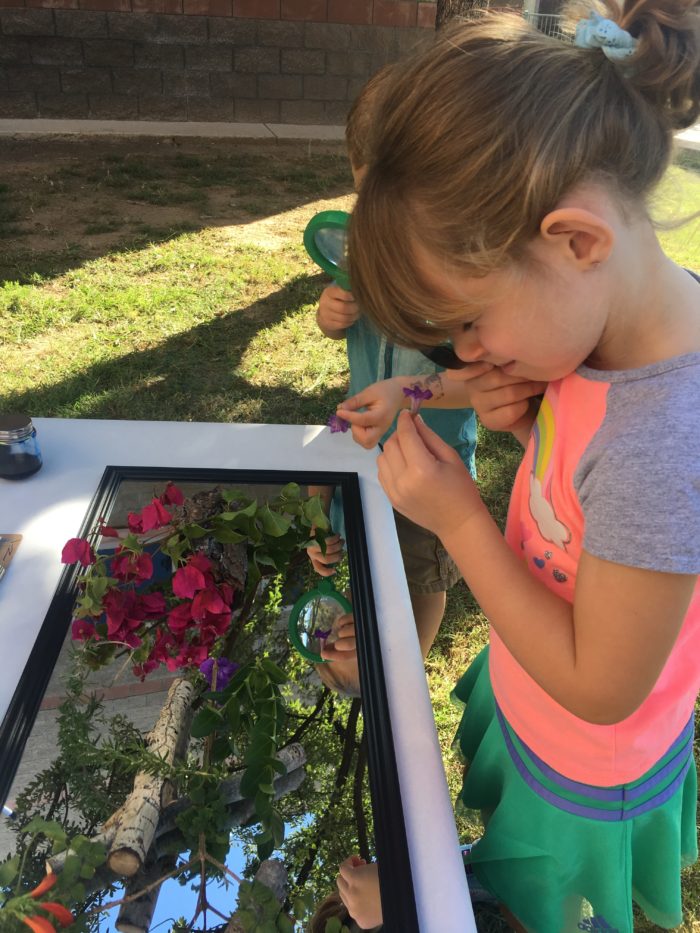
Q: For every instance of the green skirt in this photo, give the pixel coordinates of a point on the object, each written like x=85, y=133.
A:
x=563, y=856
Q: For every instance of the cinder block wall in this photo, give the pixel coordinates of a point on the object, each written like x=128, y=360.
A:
x=271, y=61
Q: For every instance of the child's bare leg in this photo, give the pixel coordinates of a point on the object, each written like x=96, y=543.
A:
x=428, y=609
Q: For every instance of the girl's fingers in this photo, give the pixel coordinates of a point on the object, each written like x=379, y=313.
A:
x=362, y=418
x=433, y=443
x=354, y=402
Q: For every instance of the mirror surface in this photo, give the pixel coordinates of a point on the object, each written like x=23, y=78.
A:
x=271, y=763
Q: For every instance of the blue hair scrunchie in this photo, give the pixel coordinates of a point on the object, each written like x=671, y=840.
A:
x=596, y=32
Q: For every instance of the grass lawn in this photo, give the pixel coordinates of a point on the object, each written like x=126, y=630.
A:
x=156, y=279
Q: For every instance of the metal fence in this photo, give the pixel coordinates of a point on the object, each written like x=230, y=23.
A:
x=548, y=23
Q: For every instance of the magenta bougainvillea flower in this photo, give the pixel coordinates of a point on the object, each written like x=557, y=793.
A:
x=225, y=670
x=129, y=567
x=176, y=621
x=77, y=551
x=338, y=424
x=188, y=580
x=417, y=396
x=172, y=495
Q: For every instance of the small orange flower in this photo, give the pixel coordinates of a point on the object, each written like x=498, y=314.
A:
x=44, y=885
x=39, y=924
x=61, y=913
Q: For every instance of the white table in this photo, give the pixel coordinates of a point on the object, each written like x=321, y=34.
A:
x=48, y=508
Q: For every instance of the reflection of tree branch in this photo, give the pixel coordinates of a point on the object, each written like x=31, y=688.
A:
x=308, y=721
x=359, y=810
x=340, y=780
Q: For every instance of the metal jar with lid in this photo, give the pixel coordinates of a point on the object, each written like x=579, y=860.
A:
x=19, y=452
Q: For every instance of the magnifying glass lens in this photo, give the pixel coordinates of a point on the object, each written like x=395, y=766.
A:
x=316, y=622
x=330, y=242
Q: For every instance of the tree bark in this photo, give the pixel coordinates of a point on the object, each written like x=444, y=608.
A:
x=141, y=812
x=447, y=9
x=136, y=916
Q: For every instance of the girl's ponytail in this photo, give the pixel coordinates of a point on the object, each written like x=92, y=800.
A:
x=483, y=133
x=666, y=67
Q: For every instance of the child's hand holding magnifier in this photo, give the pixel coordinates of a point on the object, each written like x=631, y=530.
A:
x=340, y=644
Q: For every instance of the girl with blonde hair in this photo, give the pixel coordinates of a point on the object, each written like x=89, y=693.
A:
x=505, y=211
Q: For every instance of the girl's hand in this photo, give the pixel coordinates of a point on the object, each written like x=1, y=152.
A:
x=425, y=478
x=502, y=402
x=322, y=563
x=358, y=886
x=381, y=402
x=340, y=644
x=337, y=310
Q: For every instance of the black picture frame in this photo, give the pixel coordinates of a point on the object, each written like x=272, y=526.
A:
x=397, y=891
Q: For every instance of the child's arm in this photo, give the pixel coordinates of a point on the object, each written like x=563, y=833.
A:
x=358, y=886
x=336, y=311
x=501, y=401
x=600, y=657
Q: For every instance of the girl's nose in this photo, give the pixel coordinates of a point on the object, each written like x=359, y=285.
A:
x=467, y=346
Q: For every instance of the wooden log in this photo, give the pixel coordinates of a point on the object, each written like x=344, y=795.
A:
x=140, y=813
x=136, y=916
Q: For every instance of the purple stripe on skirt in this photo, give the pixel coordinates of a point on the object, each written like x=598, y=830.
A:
x=601, y=793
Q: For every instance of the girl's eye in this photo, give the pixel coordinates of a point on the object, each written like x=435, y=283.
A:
x=467, y=325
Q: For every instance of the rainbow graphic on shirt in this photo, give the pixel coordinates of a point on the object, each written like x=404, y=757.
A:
x=543, y=439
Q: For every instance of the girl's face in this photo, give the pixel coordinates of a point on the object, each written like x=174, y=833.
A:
x=538, y=323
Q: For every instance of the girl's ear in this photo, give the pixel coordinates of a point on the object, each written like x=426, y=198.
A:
x=579, y=234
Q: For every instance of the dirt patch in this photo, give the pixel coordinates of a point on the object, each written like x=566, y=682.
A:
x=66, y=199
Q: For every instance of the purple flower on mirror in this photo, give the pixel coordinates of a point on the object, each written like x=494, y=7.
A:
x=321, y=634
x=338, y=424
x=417, y=396
x=225, y=670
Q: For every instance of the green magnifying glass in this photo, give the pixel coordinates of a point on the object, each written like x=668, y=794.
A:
x=313, y=616
x=325, y=239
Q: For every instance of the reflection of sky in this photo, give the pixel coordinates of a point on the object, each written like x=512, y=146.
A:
x=176, y=900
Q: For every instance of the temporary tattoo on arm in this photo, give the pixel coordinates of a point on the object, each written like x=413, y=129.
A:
x=433, y=383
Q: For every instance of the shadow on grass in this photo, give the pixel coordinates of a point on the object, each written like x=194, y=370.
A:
x=191, y=376
x=64, y=202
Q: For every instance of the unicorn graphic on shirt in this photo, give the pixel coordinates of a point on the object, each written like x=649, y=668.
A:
x=541, y=508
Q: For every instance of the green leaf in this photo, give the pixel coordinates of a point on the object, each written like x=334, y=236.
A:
x=263, y=805
x=206, y=721
x=272, y=523
x=266, y=558
x=275, y=673
x=265, y=850
x=284, y=924
x=277, y=828
x=8, y=871
x=278, y=765
x=195, y=531
x=313, y=511
x=227, y=535
x=49, y=828
x=232, y=712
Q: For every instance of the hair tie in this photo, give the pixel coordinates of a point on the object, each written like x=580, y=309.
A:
x=596, y=32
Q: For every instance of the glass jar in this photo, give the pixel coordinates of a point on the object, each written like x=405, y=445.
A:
x=19, y=452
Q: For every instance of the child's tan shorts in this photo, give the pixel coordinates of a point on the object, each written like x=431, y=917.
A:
x=429, y=568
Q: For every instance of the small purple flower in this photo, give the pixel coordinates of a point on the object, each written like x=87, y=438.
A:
x=417, y=396
x=338, y=424
x=321, y=634
x=225, y=670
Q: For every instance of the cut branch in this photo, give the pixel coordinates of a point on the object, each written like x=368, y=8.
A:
x=140, y=813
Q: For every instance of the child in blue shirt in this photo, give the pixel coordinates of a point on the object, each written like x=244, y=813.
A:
x=430, y=571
